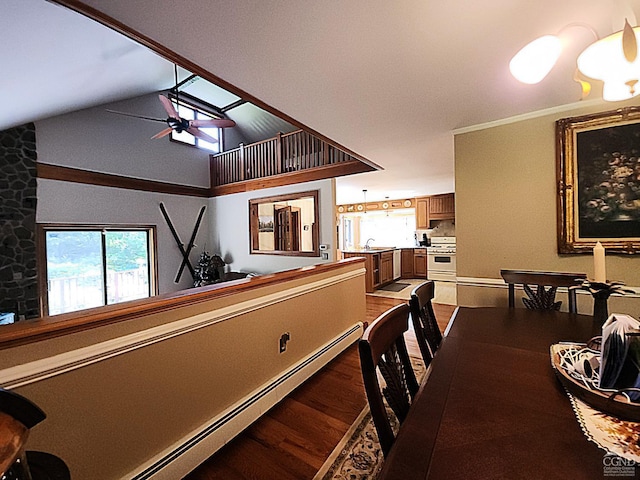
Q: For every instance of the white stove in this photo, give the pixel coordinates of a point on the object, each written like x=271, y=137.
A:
x=441, y=259
x=442, y=245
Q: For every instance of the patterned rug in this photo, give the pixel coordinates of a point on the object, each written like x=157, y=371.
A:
x=358, y=455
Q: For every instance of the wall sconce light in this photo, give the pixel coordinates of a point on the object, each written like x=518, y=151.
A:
x=613, y=60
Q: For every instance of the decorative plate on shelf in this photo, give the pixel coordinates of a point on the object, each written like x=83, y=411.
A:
x=407, y=203
x=576, y=367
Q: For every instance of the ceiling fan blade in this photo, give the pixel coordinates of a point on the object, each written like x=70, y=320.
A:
x=163, y=120
x=214, y=122
x=168, y=106
x=162, y=133
x=197, y=133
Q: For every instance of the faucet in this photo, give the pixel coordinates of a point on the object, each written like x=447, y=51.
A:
x=366, y=245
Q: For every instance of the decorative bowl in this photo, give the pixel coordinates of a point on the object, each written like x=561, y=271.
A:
x=581, y=380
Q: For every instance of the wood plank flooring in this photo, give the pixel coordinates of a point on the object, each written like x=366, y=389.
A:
x=295, y=437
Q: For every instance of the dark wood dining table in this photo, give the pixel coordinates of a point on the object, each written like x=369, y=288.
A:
x=491, y=407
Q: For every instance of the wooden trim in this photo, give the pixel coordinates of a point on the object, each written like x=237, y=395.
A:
x=173, y=57
x=253, y=224
x=76, y=175
x=318, y=173
x=29, y=331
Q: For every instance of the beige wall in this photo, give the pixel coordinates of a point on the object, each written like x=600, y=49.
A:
x=107, y=418
x=506, y=210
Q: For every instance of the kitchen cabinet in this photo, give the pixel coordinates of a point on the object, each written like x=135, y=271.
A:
x=422, y=213
x=434, y=207
x=420, y=263
x=378, y=264
x=442, y=207
x=386, y=267
x=406, y=263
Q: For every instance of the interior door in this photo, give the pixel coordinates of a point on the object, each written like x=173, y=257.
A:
x=287, y=228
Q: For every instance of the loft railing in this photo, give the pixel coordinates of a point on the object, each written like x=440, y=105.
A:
x=291, y=152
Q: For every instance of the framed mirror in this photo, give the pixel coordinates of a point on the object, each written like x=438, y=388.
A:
x=285, y=225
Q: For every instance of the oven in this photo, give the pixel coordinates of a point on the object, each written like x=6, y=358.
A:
x=441, y=259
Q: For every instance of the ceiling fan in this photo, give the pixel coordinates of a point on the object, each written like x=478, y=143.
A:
x=179, y=124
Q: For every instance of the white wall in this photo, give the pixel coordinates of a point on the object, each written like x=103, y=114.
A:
x=230, y=229
x=94, y=139
x=65, y=202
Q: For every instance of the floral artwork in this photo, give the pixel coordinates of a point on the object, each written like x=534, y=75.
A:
x=599, y=181
x=609, y=180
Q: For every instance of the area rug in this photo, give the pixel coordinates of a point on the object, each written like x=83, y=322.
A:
x=395, y=287
x=358, y=455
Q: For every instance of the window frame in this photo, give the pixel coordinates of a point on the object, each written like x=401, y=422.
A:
x=197, y=110
x=41, y=255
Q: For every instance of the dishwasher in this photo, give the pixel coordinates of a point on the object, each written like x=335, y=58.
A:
x=397, y=267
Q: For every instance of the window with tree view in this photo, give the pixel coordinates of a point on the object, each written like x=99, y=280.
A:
x=91, y=267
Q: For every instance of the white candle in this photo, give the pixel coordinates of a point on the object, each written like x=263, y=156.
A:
x=600, y=270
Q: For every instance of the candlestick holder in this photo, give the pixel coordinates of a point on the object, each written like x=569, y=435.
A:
x=601, y=291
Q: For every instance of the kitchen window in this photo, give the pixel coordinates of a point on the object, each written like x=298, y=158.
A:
x=93, y=266
x=395, y=228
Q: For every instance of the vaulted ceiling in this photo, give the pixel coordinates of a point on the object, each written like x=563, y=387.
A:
x=389, y=80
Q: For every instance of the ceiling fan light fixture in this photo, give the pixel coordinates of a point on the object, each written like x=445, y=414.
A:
x=536, y=59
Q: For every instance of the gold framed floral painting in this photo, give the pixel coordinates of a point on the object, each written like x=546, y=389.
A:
x=598, y=170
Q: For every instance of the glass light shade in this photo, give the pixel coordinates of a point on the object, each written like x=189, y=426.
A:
x=536, y=59
x=614, y=91
x=604, y=60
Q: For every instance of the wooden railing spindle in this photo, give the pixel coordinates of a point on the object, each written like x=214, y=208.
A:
x=284, y=153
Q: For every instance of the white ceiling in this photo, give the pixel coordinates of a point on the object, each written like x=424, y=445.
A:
x=391, y=80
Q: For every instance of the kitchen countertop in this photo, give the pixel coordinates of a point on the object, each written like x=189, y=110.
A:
x=371, y=250
x=378, y=249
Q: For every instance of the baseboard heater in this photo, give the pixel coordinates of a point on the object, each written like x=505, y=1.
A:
x=187, y=454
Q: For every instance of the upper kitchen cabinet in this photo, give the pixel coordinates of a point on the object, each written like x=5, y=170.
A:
x=442, y=207
x=434, y=207
x=422, y=213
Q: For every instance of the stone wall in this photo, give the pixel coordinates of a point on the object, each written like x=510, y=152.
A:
x=18, y=272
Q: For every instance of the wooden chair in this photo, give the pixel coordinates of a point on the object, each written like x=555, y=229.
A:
x=541, y=298
x=382, y=347
x=424, y=321
x=17, y=416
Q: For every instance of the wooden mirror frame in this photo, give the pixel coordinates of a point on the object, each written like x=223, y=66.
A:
x=254, y=228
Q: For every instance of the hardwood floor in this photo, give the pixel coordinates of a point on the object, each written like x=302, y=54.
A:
x=295, y=437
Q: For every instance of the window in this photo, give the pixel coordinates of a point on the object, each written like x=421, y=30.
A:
x=389, y=228
x=189, y=112
x=94, y=266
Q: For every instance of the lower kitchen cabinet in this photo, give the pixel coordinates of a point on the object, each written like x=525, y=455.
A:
x=379, y=266
x=406, y=263
x=386, y=267
x=420, y=263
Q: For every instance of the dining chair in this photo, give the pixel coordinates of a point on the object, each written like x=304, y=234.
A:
x=424, y=321
x=547, y=283
x=18, y=415
x=383, y=349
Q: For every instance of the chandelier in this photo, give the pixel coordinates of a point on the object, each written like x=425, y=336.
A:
x=613, y=60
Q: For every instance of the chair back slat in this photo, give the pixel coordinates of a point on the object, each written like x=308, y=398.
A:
x=424, y=321
x=542, y=298
x=382, y=347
